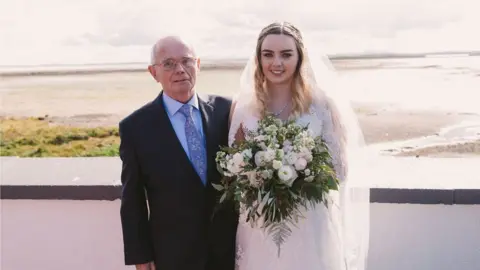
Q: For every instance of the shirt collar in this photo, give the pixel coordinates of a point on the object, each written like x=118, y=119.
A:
x=172, y=106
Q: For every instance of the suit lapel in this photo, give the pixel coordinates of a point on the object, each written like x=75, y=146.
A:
x=165, y=130
x=208, y=127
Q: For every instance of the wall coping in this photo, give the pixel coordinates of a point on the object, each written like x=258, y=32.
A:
x=98, y=179
x=110, y=193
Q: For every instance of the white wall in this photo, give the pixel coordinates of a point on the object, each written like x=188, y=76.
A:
x=424, y=237
x=83, y=235
x=59, y=235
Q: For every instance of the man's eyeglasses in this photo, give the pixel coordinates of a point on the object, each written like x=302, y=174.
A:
x=171, y=64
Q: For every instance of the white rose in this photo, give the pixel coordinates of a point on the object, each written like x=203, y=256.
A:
x=300, y=164
x=277, y=164
x=287, y=174
x=232, y=167
x=263, y=145
x=238, y=159
x=260, y=158
x=269, y=155
x=295, y=174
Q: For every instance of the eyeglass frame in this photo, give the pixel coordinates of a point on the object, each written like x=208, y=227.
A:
x=176, y=62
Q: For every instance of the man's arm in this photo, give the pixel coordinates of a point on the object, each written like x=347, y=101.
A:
x=133, y=210
x=225, y=220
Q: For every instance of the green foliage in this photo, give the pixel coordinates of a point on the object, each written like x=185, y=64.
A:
x=279, y=170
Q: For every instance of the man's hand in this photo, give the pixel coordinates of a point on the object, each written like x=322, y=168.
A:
x=145, y=266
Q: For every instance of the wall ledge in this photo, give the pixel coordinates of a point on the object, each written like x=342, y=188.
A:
x=110, y=193
x=415, y=181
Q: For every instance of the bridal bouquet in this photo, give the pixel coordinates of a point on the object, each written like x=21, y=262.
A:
x=278, y=169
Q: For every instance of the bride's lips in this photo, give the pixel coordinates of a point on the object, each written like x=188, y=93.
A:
x=277, y=72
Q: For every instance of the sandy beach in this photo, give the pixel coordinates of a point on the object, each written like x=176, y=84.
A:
x=104, y=99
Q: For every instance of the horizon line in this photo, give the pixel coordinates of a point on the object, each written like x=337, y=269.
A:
x=336, y=56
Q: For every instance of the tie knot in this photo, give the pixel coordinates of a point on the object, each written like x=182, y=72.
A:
x=186, y=110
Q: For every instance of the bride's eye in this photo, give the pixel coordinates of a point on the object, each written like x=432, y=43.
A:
x=267, y=55
x=286, y=55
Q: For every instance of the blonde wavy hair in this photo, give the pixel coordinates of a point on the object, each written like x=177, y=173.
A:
x=301, y=91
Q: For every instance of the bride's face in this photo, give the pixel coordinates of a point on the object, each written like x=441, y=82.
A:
x=279, y=58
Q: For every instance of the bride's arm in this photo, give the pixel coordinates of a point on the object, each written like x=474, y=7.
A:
x=239, y=134
x=334, y=135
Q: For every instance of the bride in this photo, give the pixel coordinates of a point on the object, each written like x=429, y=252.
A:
x=285, y=80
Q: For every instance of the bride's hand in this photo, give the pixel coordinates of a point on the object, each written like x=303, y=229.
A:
x=145, y=266
x=240, y=135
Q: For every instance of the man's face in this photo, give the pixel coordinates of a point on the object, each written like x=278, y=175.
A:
x=175, y=68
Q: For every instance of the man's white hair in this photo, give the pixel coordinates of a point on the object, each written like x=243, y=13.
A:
x=153, y=54
x=158, y=44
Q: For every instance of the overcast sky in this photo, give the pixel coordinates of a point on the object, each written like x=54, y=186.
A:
x=217, y=25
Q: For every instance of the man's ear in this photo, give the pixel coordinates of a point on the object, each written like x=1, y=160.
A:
x=198, y=63
x=153, y=72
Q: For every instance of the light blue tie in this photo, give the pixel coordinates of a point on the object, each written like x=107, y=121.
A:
x=196, y=147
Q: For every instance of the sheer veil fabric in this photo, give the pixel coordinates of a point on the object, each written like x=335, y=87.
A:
x=349, y=150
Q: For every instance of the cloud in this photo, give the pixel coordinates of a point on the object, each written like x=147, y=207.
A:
x=41, y=29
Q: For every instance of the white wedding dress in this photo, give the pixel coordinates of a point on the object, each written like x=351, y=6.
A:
x=333, y=237
x=315, y=243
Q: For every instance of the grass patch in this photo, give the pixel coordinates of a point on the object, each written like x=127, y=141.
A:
x=36, y=137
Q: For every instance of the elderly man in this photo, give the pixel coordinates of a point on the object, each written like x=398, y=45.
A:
x=168, y=150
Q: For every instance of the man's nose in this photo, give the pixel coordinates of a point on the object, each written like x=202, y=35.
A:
x=179, y=68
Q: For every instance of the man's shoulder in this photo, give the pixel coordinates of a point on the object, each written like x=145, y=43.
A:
x=218, y=101
x=137, y=116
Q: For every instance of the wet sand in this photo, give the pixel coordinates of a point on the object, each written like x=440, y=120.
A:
x=104, y=99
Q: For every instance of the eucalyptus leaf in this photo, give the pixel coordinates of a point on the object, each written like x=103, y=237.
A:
x=218, y=187
x=332, y=183
x=265, y=198
x=224, y=196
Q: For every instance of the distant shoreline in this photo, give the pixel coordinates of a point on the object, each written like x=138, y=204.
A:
x=98, y=71
x=236, y=64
